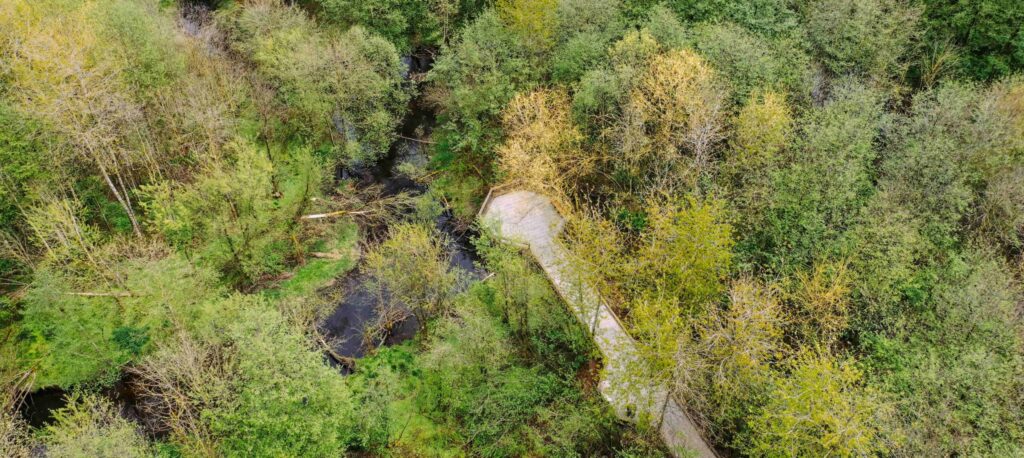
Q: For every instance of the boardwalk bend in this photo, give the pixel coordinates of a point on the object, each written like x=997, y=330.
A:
x=529, y=220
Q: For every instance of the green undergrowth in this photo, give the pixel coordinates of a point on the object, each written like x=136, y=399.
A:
x=408, y=428
x=501, y=373
x=341, y=241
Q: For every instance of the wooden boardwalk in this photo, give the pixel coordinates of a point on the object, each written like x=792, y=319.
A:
x=529, y=220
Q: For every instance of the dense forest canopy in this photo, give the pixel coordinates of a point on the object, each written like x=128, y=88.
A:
x=808, y=213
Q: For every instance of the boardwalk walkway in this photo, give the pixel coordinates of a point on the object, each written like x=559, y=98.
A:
x=529, y=219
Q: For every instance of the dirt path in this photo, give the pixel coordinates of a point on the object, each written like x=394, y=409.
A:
x=528, y=219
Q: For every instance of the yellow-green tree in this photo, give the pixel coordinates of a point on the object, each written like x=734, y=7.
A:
x=739, y=346
x=685, y=253
x=541, y=150
x=821, y=302
x=59, y=73
x=821, y=408
x=412, y=267
x=760, y=132
x=675, y=111
x=666, y=359
x=533, y=20
x=91, y=426
x=15, y=440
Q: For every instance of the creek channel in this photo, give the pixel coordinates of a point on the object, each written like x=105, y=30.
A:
x=360, y=307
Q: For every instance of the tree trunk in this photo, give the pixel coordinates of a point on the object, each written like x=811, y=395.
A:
x=121, y=199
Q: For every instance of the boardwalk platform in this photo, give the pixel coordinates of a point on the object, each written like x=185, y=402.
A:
x=530, y=220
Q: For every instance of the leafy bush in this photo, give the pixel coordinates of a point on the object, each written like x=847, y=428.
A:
x=285, y=399
x=753, y=63
x=92, y=427
x=870, y=38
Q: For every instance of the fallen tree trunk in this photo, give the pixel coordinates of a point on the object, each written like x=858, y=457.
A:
x=333, y=214
x=350, y=362
x=328, y=255
x=110, y=294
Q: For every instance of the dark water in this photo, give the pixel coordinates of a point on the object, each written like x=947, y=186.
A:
x=345, y=326
x=39, y=407
x=359, y=308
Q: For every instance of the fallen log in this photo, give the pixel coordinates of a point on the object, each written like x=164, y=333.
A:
x=333, y=214
x=348, y=361
x=109, y=294
x=327, y=255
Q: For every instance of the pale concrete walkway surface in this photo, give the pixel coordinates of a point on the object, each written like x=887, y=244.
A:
x=529, y=219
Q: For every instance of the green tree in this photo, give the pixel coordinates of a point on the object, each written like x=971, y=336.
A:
x=72, y=335
x=393, y=19
x=230, y=216
x=473, y=80
x=341, y=88
x=22, y=173
x=763, y=16
x=285, y=399
x=1000, y=160
x=929, y=170
x=891, y=263
x=957, y=375
x=664, y=359
x=825, y=178
x=750, y=62
x=870, y=38
x=85, y=326
x=603, y=92
x=584, y=31
x=985, y=34
x=141, y=37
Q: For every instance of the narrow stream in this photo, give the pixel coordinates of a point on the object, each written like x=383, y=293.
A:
x=347, y=323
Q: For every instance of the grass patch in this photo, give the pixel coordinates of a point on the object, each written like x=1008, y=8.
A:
x=317, y=272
